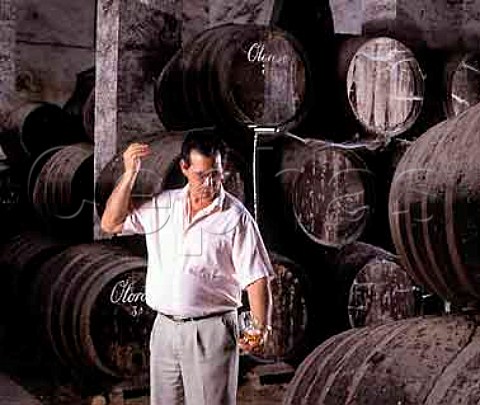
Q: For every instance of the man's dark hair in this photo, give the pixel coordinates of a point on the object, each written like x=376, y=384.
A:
x=207, y=141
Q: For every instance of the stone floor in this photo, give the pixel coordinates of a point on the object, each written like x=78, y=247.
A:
x=256, y=387
x=12, y=393
x=27, y=379
x=250, y=392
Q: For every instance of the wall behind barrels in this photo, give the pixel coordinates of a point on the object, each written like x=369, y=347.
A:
x=52, y=47
x=438, y=25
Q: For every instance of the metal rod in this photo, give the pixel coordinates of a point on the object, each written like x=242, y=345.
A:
x=259, y=132
x=255, y=176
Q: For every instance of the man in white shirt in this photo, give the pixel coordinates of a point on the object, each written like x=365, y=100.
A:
x=203, y=247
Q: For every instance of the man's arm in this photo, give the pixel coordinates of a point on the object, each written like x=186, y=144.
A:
x=252, y=263
x=260, y=300
x=119, y=203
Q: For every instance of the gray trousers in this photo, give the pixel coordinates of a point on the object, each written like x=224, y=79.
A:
x=194, y=362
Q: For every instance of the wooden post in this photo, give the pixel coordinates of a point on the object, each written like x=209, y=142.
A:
x=445, y=25
x=134, y=42
x=7, y=58
x=241, y=12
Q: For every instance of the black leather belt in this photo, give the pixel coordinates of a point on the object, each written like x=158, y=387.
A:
x=178, y=318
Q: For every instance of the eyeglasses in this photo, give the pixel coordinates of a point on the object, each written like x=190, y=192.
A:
x=212, y=175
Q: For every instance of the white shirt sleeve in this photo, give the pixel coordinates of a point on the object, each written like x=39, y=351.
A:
x=249, y=255
x=149, y=217
x=133, y=223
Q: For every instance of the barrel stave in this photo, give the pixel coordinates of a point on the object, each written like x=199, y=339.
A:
x=330, y=189
x=222, y=82
x=117, y=334
x=433, y=205
x=381, y=292
x=289, y=312
x=384, y=86
x=415, y=361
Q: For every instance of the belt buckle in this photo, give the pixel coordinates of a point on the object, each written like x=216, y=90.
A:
x=177, y=318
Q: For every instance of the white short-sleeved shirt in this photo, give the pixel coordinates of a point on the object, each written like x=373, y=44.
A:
x=200, y=267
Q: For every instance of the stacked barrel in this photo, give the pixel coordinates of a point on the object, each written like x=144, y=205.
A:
x=51, y=160
x=433, y=209
x=415, y=361
x=27, y=130
x=362, y=222
x=236, y=77
x=461, y=82
x=348, y=200
x=81, y=303
x=315, y=196
x=383, y=85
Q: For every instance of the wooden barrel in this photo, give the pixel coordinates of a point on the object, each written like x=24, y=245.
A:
x=235, y=74
x=89, y=301
x=381, y=292
x=33, y=128
x=384, y=84
x=420, y=361
x=330, y=189
x=462, y=83
x=373, y=288
x=10, y=194
x=63, y=188
x=81, y=104
x=21, y=255
x=289, y=312
x=161, y=171
x=434, y=209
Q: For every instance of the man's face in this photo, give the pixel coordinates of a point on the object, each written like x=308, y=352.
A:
x=204, y=174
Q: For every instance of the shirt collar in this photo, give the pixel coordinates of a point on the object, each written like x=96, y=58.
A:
x=218, y=202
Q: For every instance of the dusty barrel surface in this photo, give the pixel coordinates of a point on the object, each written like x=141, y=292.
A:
x=240, y=74
x=381, y=292
x=428, y=360
x=161, y=171
x=89, y=303
x=65, y=182
x=373, y=287
x=61, y=190
x=21, y=254
x=289, y=311
x=30, y=129
x=461, y=83
x=330, y=189
x=384, y=84
x=434, y=209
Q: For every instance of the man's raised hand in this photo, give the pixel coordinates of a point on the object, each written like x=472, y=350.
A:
x=133, y=155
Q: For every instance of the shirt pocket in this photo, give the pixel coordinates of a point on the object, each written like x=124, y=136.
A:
x=218, y=252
